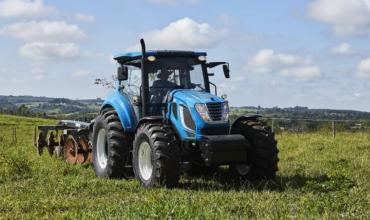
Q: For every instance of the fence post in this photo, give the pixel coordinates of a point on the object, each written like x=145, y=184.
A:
x=333, y=128
x=34, y=137
x=273, y=125
x=12, y=135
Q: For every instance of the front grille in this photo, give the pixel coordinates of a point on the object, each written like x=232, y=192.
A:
x=215, y=110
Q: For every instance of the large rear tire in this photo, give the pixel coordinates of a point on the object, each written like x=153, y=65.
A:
x=262, y=156
x=156, y=156
x=111, y=146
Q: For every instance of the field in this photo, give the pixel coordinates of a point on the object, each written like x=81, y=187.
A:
x=319, y=178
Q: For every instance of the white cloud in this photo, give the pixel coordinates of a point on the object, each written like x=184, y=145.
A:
x=363, y=68
x=183, y=34
x=13, y=8
x=347, y=17
x=302, y=73
x=48, y=31
x=173, y=2
x=81, y=73
x=299, y=67
x=342, y=49
x=42, y=51
x=84, y=17
x=267, y=60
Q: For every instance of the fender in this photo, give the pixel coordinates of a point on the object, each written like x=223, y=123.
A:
x=120, y=102
x=244, y=117
x=149, y=119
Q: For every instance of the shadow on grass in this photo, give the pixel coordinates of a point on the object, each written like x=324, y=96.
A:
x=223, y=181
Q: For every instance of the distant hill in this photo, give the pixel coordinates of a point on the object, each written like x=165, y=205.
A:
x=64, y=108
x=82, y=109
x=299, y=112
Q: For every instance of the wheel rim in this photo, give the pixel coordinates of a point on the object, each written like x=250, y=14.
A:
x=145, y=160
x=102, y=149
x=243, y=169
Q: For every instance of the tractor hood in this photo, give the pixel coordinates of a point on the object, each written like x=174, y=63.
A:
x=191, y=97
x=189, y=123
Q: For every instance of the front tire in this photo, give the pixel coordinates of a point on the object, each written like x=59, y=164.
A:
x=156, y=156
x=111, y=147
x=262, y=156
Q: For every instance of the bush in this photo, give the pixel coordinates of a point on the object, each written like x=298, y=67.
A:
x=14, y=165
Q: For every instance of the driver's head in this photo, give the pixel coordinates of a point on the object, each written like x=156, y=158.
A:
x=164, y=74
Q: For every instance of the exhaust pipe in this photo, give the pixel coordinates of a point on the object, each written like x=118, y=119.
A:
x=145, y=82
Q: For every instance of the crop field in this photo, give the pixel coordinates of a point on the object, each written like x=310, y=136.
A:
x=319, y=177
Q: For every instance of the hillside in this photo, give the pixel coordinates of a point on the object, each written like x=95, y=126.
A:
x=318, y=178
x=63, y=108
x=299, y=112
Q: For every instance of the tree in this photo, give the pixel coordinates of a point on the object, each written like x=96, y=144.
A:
x=22, y=110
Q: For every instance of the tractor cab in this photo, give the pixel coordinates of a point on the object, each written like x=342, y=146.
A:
x=164, y=72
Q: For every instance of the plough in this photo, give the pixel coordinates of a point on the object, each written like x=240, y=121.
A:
x=68, y=140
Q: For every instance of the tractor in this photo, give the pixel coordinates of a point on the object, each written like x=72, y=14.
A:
x=162, y=120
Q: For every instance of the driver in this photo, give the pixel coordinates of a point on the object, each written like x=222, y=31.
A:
x=162, y=81
x=159, y=90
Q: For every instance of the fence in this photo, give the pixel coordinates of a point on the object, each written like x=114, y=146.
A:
x=13, y=135
x=317, y=125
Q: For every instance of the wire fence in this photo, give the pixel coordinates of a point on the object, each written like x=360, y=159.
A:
x=13, y=134
x=304, y=125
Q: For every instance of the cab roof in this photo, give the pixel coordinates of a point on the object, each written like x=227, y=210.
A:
x=126, y=57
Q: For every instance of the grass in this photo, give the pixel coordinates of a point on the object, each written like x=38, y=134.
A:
x=319, y=177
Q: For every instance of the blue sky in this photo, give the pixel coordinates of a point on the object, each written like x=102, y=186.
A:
x=282, y=53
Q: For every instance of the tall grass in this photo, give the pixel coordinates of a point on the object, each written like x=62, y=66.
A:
x=319, y=177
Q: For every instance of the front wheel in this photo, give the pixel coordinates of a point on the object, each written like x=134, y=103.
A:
x=156, y=158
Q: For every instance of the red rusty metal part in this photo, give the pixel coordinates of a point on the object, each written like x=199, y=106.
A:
x=70, y=150
x=85, y=150
x=77, y=153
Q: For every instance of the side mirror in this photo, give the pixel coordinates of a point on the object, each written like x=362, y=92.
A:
x=122, y=73
x=226, y=69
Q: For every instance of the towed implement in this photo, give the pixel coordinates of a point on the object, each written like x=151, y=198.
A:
x=68, y=140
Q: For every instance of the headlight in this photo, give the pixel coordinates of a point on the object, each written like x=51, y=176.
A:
x=225, y=111
x=151, y=58
x=202, y=58
x=203, y=111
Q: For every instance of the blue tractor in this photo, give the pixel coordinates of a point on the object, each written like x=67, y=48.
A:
x=162, y=121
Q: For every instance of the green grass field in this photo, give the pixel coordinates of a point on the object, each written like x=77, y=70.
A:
x=319, y=178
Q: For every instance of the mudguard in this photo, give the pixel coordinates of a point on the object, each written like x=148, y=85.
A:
x=245, y=117
x=120, y=102
x=149, y=119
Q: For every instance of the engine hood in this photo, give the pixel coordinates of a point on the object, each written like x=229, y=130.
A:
x=191, y=97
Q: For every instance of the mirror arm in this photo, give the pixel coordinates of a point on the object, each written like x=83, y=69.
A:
x=214, y=85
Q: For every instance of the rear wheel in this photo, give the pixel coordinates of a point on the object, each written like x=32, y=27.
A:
x=262, y=156
x=156, y=158
x=111, y=147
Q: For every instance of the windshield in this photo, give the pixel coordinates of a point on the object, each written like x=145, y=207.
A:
x=176, y=73
x=165, y=74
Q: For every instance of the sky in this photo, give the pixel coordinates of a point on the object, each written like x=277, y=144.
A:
x=281, y=53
